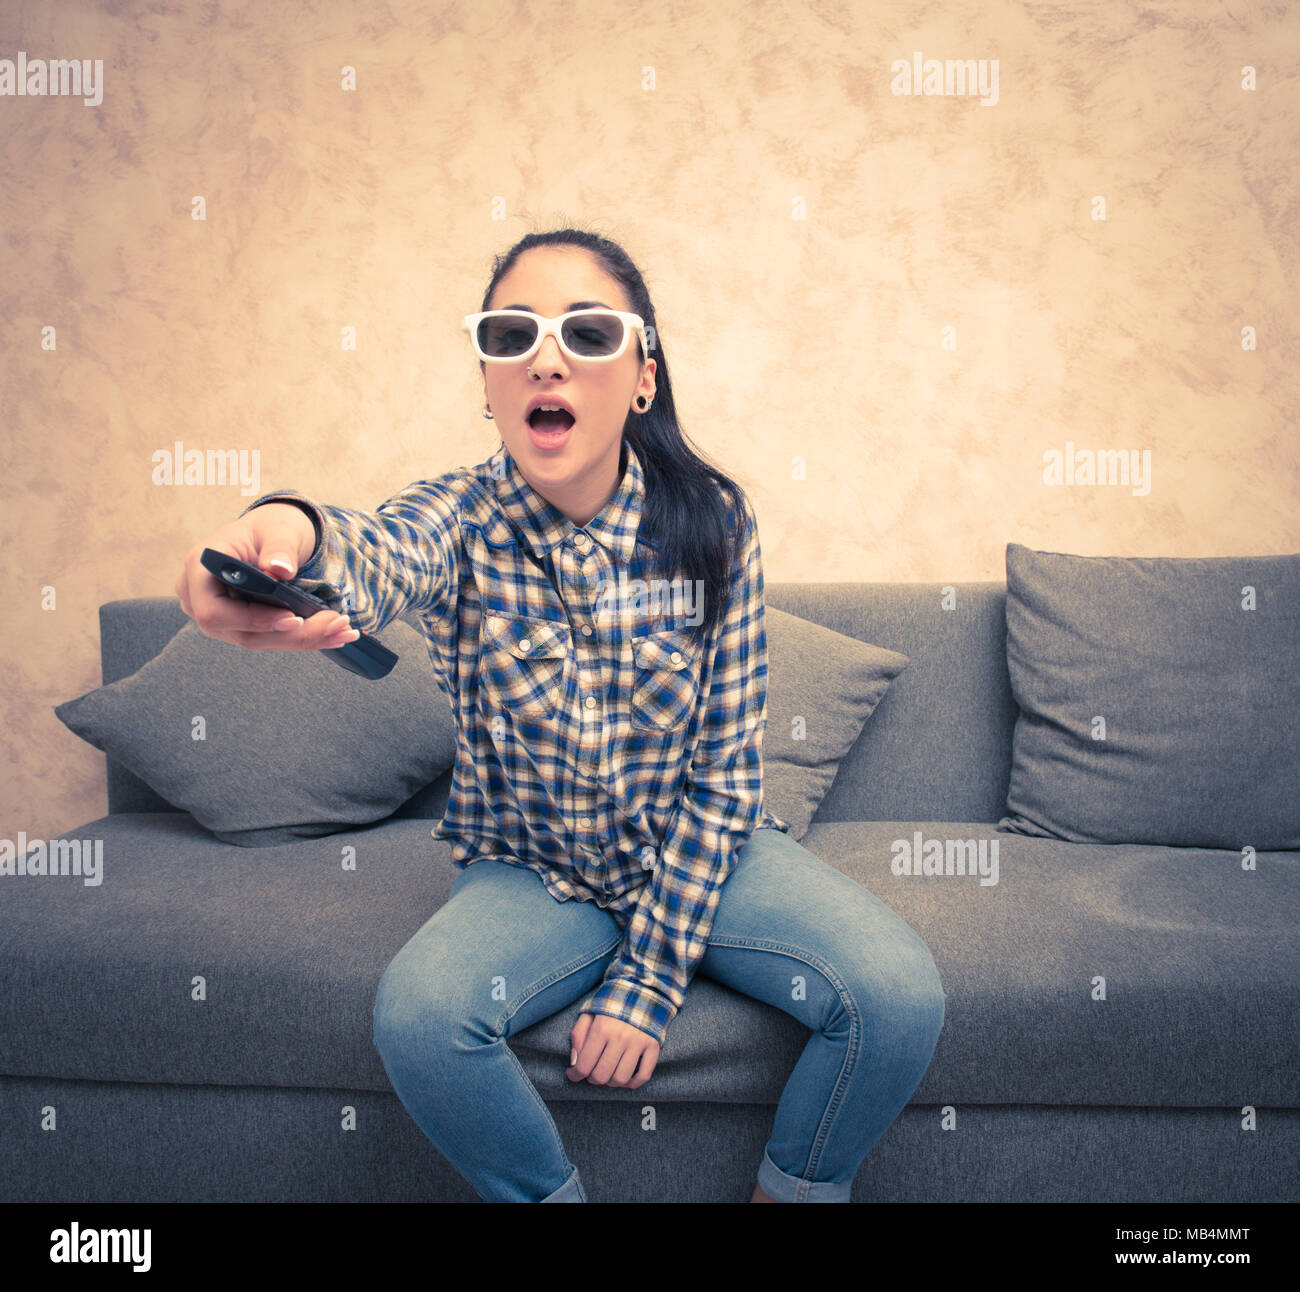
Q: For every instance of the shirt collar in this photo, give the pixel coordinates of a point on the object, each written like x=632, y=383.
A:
x=543, y=525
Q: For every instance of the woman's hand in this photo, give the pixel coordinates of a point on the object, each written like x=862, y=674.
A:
x=277, y=538
x=609, y=1050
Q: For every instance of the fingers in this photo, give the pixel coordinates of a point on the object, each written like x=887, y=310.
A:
x=646, y=1069
x=590, y=1055
x=271, y=538
x=253, y=625
x=617, y=1065
x=281, y=629
x=614, y=1054
x=627, y=1066
x=578, y=1036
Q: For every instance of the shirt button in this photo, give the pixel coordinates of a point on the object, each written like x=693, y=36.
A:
x=586, y=630
x=580, y=541
x=585, y=823
x=524, y=644
x=591, y=702
x=647, y=858
x=676, y=657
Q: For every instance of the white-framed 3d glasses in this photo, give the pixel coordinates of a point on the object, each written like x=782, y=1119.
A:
x=592, y=335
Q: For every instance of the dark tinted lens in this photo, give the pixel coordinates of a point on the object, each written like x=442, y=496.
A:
x=593, y=334
x=507, y=335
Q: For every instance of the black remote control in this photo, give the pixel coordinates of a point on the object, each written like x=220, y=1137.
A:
x=366, y=657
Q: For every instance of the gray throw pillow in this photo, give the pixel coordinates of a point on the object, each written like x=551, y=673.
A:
x=1158, y=697
x=831, y=682
x=292, y=746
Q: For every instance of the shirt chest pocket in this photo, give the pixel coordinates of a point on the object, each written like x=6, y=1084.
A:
x=523, y=663
x=666, y=680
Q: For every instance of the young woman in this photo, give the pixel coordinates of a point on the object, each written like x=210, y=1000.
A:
x=592, y=597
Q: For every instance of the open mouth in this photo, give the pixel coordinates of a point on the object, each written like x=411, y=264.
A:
x=550, y=428
x=550, y=422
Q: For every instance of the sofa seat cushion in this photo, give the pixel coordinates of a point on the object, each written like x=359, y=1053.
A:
x=1198, y=957
x=1199, y=960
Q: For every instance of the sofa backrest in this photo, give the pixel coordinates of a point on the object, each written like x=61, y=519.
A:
x=937, y=748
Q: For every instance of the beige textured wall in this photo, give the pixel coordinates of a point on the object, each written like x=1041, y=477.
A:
x=807, y=233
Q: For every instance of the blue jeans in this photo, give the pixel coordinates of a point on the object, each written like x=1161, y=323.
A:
x=870, y=994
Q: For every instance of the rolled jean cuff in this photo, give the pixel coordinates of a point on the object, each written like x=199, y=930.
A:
x=789, y=1188
x=569, y=1191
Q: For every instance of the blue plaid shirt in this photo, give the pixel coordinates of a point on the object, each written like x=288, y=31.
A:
x=599, y=742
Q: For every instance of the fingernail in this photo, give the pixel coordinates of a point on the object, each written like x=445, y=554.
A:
x=281, y=563
x=283, y=625
x=573, y=1057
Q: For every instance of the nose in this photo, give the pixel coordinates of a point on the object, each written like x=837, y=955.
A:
x=549, y=358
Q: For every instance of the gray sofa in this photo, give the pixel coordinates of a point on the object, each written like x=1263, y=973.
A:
x=1034, y=1091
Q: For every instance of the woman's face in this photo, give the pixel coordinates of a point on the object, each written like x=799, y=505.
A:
x=578, y=470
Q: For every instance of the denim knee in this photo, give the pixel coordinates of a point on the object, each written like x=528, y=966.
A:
x=392, y=1013
x=903, y=988
x=408, y=1011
